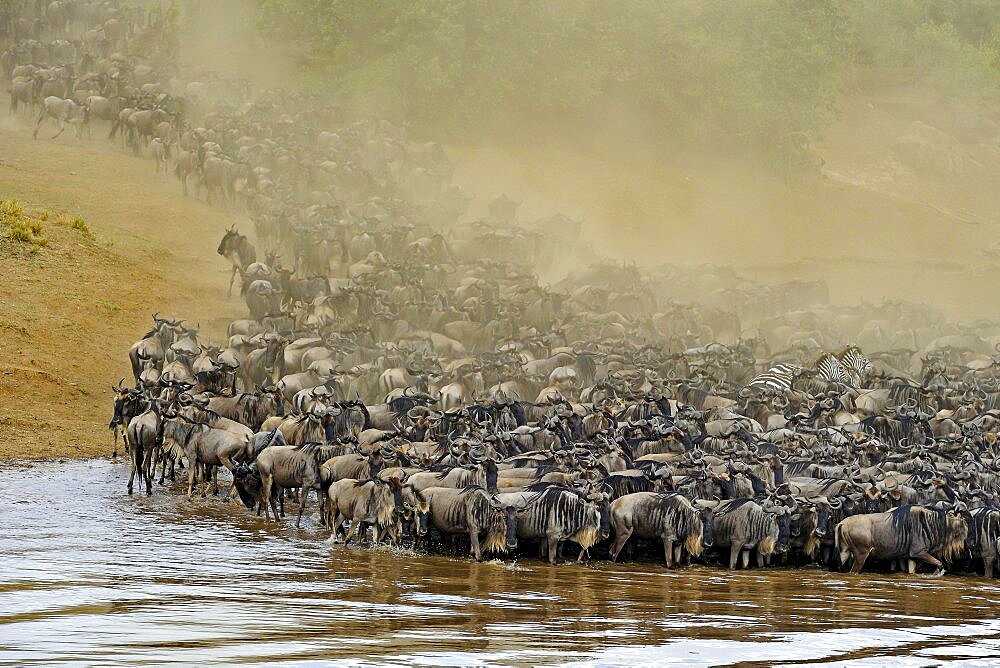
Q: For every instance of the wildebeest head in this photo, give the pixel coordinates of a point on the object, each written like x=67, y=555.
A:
x=397, y=495
x=276, y=396
x=122, y=396
x=707, y=527
x=872, y=500
x=510, y=524
x=603, y=501
x=419, y=513
x=491, y=473
x=248, y=483
x=275, y=346
x=228, y=243
x=727, y=488
x=823, y=512
x=783, y=517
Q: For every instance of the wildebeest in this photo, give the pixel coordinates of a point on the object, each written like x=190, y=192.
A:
x=204, y=445
x=145, y=435
x=236, y=248
x=292, y=467
x=128, y=403
x=669, y=517
x=984, y=536
x=743, y=525
x=62, y=111
x=915, y=533
x=364, y=503
x=554, y=514
x=473, y=511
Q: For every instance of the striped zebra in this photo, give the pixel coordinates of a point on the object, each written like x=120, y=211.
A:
x=856, y=365
x=777, y=379
x=829, y=369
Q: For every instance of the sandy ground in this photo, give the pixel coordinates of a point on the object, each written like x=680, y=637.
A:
x=69, y=313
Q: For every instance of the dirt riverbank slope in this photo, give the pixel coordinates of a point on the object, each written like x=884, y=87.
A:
x=70, y=310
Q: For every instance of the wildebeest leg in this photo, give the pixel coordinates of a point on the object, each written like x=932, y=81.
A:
x=135, y=452
x=928, y=558
x=553, y=548
x=204, y=478
x=62, y=127
x=358, y=528
x=337, y=525
x=38, y=126
x=680, y=558
x=859, y=561
x=227, y=461
x=321, y=499
x=624, y=534
x=734, y=554
x=265, y=484
x=273, y=503
x=303, y=497
x=668, y=551
x=192, y=466
x=761, y=559
x=232, y=279
x=149, y=469
x=474, y=540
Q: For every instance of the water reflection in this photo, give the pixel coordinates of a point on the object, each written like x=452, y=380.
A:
x=89, y=575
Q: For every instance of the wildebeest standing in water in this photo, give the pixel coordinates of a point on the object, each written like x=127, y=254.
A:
x=914, y=533
x=668, y=517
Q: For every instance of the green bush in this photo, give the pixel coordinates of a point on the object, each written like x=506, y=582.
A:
x=735, y=73
x=20, y=227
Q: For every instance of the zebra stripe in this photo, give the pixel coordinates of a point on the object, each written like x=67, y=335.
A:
x=779, y=377
x=829, y=368
x=856, y=365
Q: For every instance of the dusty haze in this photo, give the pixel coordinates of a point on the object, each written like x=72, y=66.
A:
x=903, y=204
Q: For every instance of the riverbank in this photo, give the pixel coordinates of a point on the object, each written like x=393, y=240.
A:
x=71, y=307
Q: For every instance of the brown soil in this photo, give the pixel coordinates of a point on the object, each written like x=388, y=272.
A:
x=69, y=311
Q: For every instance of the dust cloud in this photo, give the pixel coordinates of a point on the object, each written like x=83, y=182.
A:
x=897, y=198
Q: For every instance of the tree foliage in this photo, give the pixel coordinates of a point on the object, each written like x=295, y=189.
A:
x=753, y=72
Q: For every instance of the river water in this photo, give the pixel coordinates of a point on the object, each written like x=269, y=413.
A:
x=91, y=576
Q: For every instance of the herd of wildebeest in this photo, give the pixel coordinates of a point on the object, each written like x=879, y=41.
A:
x=423, y=382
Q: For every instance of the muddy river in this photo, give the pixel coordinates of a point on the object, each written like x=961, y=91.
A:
x=90, y=576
